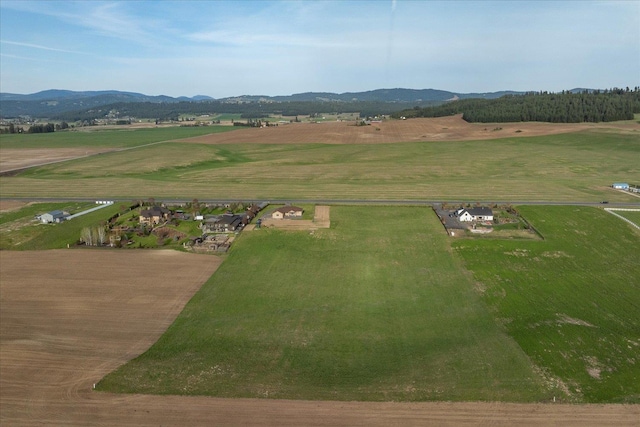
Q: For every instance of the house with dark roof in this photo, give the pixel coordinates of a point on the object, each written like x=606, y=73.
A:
x=154, y=215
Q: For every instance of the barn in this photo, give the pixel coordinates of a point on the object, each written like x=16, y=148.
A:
x=53, y=217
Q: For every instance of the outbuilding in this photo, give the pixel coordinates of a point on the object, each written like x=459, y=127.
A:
x=620, y=185
x=53, y=217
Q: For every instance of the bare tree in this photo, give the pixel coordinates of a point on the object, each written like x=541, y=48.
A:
x=86, y=236
x=102, y=234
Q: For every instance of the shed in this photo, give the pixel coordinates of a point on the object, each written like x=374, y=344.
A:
x=53, y=216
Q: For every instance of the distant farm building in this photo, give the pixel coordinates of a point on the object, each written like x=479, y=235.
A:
x=53, y=217
x=620, y=185
x=287, y=212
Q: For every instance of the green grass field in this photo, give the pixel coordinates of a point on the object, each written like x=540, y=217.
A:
x=572, y=301
x=569, y=167
x=375, y=308
x=631, y=216
x=370, y=312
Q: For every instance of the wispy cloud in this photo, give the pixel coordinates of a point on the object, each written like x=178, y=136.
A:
x=37, y=46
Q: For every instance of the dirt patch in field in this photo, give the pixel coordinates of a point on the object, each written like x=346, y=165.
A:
x=451, y=128
x=17, y=158
x=68, y=317
x=12, y=205
x=321, y=219
x=321, y=216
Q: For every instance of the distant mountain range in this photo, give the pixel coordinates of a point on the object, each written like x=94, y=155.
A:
x=52, y=102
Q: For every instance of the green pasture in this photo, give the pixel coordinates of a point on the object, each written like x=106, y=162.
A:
x=631, y=216
x=572, y=301
x=104, y=138
x=375, y=308
x=568, y=167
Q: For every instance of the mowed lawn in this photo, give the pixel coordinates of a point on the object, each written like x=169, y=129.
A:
x=572, y=301
x=375, y=308
x=567, y=167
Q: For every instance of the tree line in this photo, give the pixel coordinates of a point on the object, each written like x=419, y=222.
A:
x=564, y=107
x=172, y=111
x=49, y=127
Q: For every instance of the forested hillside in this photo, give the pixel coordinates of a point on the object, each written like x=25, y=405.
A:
x=564, y=107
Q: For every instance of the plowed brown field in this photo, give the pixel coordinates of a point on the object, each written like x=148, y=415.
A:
x=451, y=128
x=67, y=317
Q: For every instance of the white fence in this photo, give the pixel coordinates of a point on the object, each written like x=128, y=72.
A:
x=610, y=210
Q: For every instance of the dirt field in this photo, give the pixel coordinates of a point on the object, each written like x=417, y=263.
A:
x=11, y=205
x=67, y=317
x=321, y=219
x=439, y=129
x=20, y=158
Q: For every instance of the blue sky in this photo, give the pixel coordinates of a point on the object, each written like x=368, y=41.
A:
x=222, y=49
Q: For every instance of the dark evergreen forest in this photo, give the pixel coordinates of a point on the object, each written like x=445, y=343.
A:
x=564, y=107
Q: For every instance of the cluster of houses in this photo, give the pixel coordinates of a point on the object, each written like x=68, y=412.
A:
x=223, y=223
x=229, y=222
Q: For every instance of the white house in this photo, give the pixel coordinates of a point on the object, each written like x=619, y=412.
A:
x=476, y=214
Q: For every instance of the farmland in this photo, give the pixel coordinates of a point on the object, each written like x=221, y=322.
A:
x=382, y=306
x=570, y=301
x=251, y=164
x=357, y=312
x=59, y=336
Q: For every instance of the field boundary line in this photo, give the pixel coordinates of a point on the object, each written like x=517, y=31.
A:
x=610, y=210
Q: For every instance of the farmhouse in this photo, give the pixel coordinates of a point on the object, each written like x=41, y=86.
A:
x=154, y=215
x=53, y=216
x=475, y=214
x=620, y=185
x=287, y=212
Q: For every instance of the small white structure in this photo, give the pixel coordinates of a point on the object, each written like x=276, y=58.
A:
x=620, y=185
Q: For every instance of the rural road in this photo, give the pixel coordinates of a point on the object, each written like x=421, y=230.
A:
x=373, y=202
